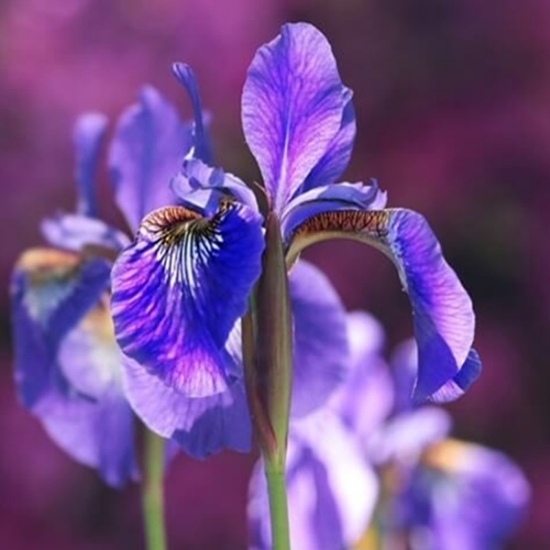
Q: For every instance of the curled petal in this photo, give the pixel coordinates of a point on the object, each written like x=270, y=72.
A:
x=199, y=185
x=331, y=489
x=443, y=317
x=292, y=107
x=201, y=426
x=149, y=144
x=330, y=198
x=51, y=292
x=201, y=142
x=88, y=134
x=75, y=232
x=320, y=340
x=180, y=287
x=336, y=158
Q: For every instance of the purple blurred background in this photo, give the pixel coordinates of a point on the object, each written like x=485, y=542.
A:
x=453, y=104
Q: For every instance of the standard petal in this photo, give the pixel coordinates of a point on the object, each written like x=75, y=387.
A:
x=88, y=134
x=292, y=107
x=336, y=158
x=201, y=141
x=443, y=316
x=331, y=489
x=148, y=147
x=201, y=426
x=200, y=185
x=180, y=287
x=320, y=339
x=51, y=292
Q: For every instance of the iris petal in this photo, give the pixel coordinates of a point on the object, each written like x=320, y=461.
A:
x=336, y=158
x=329, y=198
x=331, y=488
x=149, y=144
x=443, y=317
x=51, y=291
x=200, y=426
x=201, y=148
x=88, y=133
x=180, y=287
x=292, y=107
x=200, y=185
x=320, y=339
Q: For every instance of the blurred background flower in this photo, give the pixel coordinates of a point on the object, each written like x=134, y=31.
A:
x=453, y=117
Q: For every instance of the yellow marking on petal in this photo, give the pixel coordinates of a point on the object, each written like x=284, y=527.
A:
x=99, y=322
x=36, y=259
x=446, y=455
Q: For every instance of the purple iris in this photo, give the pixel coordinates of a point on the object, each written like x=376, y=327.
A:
x=431, y=492
x=67, y=362
x=180, y=289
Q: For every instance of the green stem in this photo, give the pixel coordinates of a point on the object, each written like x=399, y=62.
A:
x=153, y=497
x=278, y=508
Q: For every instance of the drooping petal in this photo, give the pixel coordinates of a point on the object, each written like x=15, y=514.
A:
x=51, y=291
x=365, y=399
x=292, y=107
x=330, y=198
x=75, y=232
x=88, y=134
x=200, y=185
x=443, y=317
x=201, y=141
x=320, y=339
x=336, y=158
x=331, y=489
x=148, y=147
x=201, y=426
x=92, y=422
x=97, y=434
x=180, y=287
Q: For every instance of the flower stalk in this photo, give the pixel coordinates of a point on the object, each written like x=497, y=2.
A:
x=153, y=493
x=267, y=354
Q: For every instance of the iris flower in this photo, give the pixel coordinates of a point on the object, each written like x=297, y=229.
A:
x=181, y=287
x=67, y=363
x=429, y=491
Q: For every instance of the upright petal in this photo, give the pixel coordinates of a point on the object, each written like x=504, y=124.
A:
x=292, y=107
x=201, y=141
x=88, y=133
x=321, y=358
x=336, y=158
x=443, y=317
x=200, y=426
x=149, y=144
x=51, y=292
x=180, y=287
